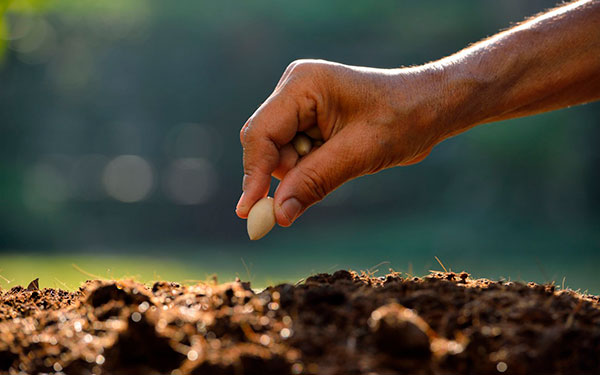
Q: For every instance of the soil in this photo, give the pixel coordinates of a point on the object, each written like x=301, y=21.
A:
x=345, y=323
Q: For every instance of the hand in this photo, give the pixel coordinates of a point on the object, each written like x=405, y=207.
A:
x=371, y=119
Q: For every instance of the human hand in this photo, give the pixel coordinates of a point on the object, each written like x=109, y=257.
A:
x=370, y=119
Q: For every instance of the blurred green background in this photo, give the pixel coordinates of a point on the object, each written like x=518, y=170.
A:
x=119, y=148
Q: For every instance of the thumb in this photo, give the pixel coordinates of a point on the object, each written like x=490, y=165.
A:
x=315, y=176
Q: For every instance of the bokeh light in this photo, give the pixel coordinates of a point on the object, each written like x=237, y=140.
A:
x=18, y=25
x=38, y=43
x=128, y=178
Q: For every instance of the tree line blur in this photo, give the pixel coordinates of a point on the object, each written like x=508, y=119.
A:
x=120, y=121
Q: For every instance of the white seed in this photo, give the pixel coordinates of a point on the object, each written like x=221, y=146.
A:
x=314, y=133
x=261, y=218
x=302, y=144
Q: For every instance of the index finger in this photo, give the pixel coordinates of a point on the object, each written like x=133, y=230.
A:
x=273, y=125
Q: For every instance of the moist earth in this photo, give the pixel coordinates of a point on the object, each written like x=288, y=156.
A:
x=344, y=323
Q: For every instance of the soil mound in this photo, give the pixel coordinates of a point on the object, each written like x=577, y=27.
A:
x=345, y=323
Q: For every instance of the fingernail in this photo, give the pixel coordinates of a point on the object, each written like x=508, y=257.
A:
x=291, y=208
x=237, y=206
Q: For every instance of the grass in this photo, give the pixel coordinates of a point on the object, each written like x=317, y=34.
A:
x=68, y=272
x=273, y=261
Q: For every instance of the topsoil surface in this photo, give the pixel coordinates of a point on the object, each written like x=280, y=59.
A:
x=345, y=323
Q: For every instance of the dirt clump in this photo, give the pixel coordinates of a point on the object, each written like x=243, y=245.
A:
x=345, y=323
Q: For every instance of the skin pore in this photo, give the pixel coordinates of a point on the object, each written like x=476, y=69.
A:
x=373, y=119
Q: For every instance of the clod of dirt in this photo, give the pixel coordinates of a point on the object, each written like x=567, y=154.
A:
x=140, y=347
x=34, y=285
x=101, y=293
x=7, y=358
x=245, y=359
x=400, y=332
x=345, y=323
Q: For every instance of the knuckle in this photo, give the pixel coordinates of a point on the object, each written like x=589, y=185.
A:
x=315, y=186
x=302, y=77
x=291, y=67
x=304, y=67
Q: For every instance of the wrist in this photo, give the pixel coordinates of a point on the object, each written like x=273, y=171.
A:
x=425, y=106
x=460, y=97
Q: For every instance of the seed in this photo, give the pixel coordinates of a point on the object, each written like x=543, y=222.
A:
x=302, y=144
x=317, y=144
x=261, y=218
x=314, y=133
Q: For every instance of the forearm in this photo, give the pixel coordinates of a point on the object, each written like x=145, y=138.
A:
x=546, y=63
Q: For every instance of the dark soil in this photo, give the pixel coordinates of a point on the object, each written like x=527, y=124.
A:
x=345, y=323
